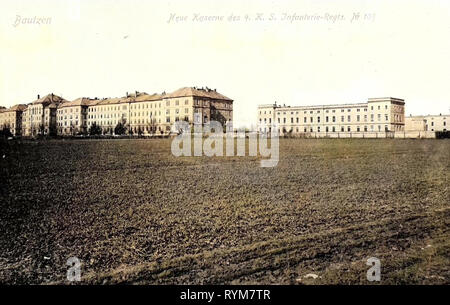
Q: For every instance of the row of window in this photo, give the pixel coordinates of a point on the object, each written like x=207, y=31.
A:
x=327, y=119
x=326, y=111
x=335, y=129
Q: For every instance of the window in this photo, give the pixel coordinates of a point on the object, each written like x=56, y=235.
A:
x=318, y=119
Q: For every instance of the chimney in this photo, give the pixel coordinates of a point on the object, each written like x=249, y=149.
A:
x=135, y=93
x=127, y=94
x=39, y=96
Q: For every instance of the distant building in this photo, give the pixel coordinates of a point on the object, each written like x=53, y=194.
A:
x=427, y=122
x=40, y=116
x=154, y=114
x=139, y=113
x=11, y=119
x=71, y=117
x=377, y=115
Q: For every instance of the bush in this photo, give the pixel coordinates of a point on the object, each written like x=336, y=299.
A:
x=119, y=129
x=443, y=134
x=95, y=130
x=5, y=133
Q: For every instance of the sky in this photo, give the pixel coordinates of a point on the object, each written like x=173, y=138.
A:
x=293, y=52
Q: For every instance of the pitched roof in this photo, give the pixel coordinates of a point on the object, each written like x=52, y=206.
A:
x=106, y=101
x=198, y=92
x=19, y=107
x=149, y=97
x=81, y=101
x=49, y=99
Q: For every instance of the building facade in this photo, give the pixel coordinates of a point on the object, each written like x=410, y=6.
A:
x=11, y=119
x=139, y=113
x=427, y=123
x=376, y=115
x=40, y=116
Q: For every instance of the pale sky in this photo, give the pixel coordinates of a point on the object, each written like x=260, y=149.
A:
x=105, y=48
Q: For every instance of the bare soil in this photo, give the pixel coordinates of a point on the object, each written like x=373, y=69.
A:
x=133, y=213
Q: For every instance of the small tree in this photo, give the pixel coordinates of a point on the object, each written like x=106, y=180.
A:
x=120, y=129
x=95, y=130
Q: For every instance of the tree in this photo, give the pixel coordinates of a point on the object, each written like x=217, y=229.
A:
x=95, y=130
x=120, y=129
x=5, y=132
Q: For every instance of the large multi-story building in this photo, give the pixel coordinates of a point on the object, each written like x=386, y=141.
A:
x=40, y=116
x=71, y=117
x=11, y=119
x=376, y=115
x=427, y=122
x=139, y=113
x=150, y=114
